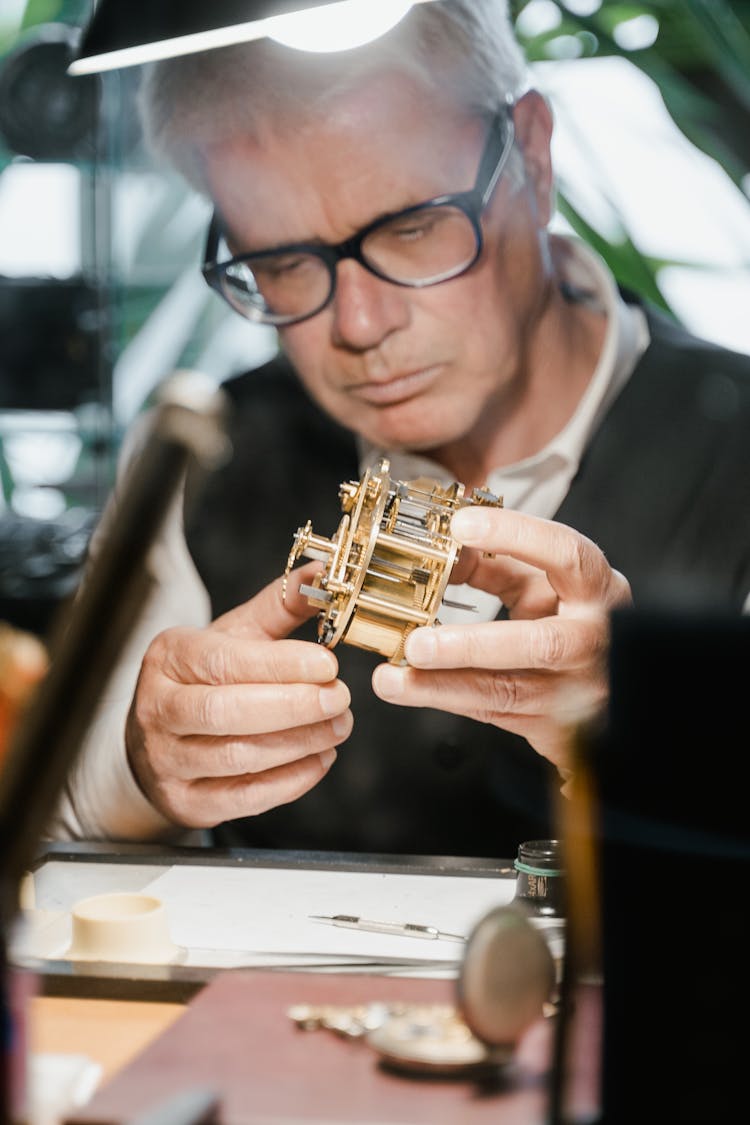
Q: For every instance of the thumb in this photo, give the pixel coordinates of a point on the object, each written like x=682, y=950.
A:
x=274, y=612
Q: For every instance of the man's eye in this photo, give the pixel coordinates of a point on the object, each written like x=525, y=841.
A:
x=288, y=267
x=414, y=227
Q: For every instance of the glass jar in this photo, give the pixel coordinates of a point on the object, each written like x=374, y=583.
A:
x=539, y=883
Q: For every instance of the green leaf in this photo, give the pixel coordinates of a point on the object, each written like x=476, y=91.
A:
x=727, y=43
x=632, y=269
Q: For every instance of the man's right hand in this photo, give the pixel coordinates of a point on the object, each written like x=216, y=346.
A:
x=233, y=719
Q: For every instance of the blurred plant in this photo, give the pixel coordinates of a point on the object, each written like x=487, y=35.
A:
x=698, y=54
x=696, y=51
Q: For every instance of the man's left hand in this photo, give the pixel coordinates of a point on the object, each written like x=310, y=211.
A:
x=546, y=667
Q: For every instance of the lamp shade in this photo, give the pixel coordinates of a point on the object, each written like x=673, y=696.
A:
x=121, y=33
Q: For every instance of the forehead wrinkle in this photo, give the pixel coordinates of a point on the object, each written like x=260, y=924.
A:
x=282, y=173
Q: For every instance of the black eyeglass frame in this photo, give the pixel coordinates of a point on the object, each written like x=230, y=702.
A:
x=495, y=155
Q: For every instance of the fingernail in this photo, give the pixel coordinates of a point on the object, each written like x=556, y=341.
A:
x=342, y=724
x=470, y=525
x=421, y=646
x=327, y=758
x=334, y=699
x=388, y=681
x=320, y=665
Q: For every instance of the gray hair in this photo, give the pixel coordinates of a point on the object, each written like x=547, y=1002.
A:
x=464, y=46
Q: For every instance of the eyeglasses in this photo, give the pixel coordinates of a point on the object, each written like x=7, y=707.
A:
x=422, y=245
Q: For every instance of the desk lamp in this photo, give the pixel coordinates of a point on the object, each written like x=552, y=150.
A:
x=121, y=34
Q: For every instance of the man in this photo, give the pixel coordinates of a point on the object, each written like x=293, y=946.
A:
x=388, y=210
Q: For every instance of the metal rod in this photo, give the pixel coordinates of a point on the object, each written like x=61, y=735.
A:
x=392, y=609
x=90, y=631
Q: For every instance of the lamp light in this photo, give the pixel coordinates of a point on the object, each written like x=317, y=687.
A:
x=120, y=34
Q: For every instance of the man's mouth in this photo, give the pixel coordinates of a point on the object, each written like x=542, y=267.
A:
x=397, y=388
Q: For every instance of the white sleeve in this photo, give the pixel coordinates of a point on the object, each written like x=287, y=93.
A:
x=101, y=799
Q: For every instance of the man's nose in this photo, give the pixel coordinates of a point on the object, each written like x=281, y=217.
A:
x=366, y=308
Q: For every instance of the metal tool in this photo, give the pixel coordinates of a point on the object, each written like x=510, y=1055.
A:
x=400, y=929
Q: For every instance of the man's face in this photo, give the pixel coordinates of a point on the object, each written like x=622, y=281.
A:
x=406, y=368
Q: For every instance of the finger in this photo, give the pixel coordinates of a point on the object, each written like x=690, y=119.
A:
x=205, y=656
x=245, y=710
x=194, y=757
x=276, y=611
x=575, y=566
x=524, y=590
x=480, y=695
x=527, y=704
x=472, y=563
x=549, y=644
x=208, y=802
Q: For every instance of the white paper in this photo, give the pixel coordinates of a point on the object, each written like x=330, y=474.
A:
x=266, y=910
x=234, y=916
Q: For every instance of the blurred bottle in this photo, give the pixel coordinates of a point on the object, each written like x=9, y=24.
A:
x=23, y=663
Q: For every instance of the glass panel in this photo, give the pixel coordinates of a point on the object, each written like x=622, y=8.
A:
x=101, y=298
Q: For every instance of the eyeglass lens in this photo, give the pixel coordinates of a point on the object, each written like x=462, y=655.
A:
x=420, y=247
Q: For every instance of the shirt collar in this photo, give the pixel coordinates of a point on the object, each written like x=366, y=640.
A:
x=626, y=337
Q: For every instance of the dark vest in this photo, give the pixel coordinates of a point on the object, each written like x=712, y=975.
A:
x=664, y=489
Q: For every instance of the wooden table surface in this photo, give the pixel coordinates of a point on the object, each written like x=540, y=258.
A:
x=111, y=1032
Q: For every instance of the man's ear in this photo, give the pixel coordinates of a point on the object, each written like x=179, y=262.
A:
x=532, y=118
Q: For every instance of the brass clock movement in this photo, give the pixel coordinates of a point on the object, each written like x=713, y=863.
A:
x=389, y=562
